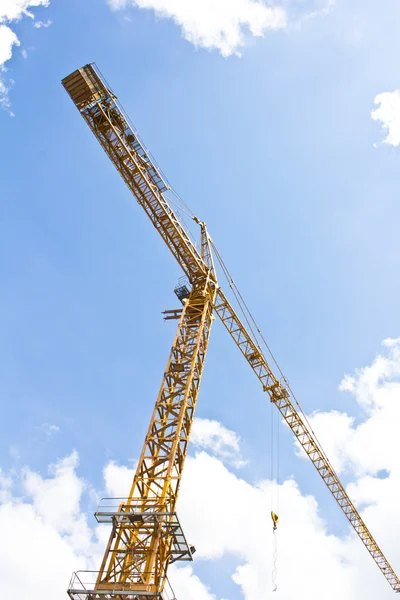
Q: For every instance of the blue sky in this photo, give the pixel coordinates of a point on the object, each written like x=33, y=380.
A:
x=274, y=149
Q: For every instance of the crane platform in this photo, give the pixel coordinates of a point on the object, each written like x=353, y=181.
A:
x=145, y=518
x=125, y=512
x=84, y=586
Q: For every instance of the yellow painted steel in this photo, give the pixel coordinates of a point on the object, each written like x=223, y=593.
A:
x=139, y=550
x=138, y=554
x=280, y=395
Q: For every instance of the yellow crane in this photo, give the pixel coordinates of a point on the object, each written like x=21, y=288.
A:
x=146, y=536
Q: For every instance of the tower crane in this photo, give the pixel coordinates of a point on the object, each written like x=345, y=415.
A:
x=146, y=535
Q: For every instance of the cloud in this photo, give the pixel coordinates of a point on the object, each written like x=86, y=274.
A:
x=310, y=9
x=40, y=24
x=215, y=24
x=4, y=97
x=225, y=516
x=366, y=448
x=7, y=40
x=206, y=434
x=212, y=435
x=12, y=11
x=187, y=585
x=47, y=493
x=41, y=518
x=49, y=430
x=388, y=114
x=5, y=487
x=118, y=479
x=14, y=452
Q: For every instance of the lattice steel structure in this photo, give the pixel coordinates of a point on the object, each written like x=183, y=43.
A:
x=146, y=534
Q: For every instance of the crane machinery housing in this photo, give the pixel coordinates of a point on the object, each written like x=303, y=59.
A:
x=146, y=536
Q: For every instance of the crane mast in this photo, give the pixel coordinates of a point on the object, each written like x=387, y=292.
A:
x=146, y=535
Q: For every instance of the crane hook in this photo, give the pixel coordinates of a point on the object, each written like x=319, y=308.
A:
x=275, y=520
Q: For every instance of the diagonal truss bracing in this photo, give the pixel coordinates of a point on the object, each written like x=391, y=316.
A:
x=280, y=395
x=140, y=549
x=105, y=117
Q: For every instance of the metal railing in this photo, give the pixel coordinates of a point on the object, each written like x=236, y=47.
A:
x=83, y=586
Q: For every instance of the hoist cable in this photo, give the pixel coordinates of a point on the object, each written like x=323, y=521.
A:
x=245, y=312
x=274, y=493
x=180, y=209
x=177, y=196
x=249, y=318
x=274, y=563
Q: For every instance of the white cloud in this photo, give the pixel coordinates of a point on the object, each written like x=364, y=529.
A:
x=186, y=585
x=13, y=10
x=312, y=9
x=4, y=97
x=118, y=4
x=212, y=435
x=47, y=493
x=46, y=428
x=366, y=448
x=118, y=479
x=215, y=24
x=5, y=487
x=47, y=535
x=7, y=40
x=225, y=515
x=10, y=12
x=206, y=434
x=388, y=114
x=40, y=24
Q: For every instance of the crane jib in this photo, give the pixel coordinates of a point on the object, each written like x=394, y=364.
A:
x=107, y=120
